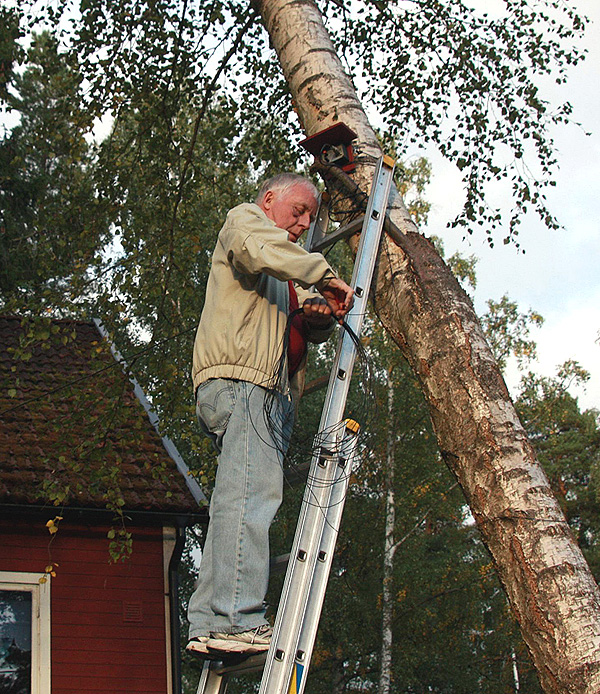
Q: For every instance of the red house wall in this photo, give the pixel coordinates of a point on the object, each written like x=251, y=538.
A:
x=108, y=620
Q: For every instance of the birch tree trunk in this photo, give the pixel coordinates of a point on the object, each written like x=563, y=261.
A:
x=387, y=609
x=548, y=583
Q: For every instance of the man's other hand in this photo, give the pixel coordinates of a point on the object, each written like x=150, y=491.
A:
x=339, y=296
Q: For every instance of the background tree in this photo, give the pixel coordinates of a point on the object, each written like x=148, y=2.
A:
x=10, y=50
x=53, y=224
x=568, y=445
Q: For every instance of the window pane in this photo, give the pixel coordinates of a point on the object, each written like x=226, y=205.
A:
x=15, y=642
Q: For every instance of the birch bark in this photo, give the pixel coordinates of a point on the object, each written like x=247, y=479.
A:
x=387, y=610
x=422, y=306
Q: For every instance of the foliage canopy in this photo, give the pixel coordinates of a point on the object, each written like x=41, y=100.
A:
x=463, y=77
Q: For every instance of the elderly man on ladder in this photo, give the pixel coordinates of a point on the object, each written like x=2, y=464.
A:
x=258, y=277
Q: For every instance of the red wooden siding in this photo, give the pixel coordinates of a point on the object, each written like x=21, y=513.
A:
x=108, y=620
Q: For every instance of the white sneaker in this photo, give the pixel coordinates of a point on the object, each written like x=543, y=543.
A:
x=197, y=645
x=252, y=641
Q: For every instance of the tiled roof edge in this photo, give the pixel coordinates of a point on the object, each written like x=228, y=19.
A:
x=192, y=484
x=181, y=517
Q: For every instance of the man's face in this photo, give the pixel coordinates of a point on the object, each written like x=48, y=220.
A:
x=291, y=210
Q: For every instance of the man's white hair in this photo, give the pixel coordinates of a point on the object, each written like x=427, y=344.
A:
x=283, y=182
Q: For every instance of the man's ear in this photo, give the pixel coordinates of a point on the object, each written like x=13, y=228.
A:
x=267, y=200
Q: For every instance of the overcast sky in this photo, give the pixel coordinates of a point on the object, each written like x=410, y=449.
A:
x=558, y=276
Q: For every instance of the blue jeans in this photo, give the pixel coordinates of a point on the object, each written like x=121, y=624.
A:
x=234, y=571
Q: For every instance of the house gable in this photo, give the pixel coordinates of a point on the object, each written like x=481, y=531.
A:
x=78, y=443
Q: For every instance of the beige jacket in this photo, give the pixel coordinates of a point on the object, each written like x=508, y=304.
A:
x=245, y=312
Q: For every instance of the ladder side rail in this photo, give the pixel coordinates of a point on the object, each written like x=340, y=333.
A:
x=312, y=524
x=308, y=632
x=312, y=519
x=210, y=681
x=303, y=557
x=278, y=668
x=316, y=494
x=366, y=257
x=301, y=566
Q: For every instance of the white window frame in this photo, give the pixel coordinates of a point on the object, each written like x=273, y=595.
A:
x=40, y=624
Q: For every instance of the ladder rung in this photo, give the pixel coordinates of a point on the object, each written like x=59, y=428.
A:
x=296, y=474
x=353, y=228
x=341, y=233
x=316, y=384
x=279, y=564
x=239, y=665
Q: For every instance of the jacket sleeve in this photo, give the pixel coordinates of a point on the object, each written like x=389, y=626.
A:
x=254, y=245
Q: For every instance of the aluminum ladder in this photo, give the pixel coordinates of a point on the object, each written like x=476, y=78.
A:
x=296, y=623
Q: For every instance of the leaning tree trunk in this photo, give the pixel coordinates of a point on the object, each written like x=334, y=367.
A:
x=546, y=578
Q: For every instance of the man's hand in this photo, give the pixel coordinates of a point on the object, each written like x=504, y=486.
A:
x=339, y=296
x=317, y=312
